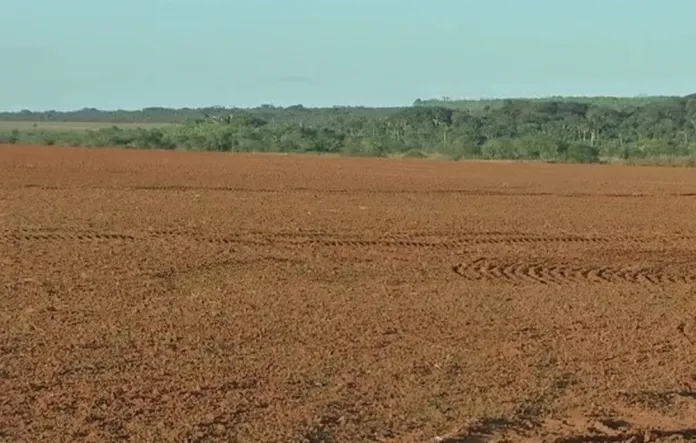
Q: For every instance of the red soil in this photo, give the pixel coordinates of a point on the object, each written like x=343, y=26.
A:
x=154, y=296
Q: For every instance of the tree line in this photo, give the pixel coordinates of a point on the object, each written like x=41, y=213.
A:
x=649, y=129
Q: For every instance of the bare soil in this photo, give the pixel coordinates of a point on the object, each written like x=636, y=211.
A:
x=165, y=296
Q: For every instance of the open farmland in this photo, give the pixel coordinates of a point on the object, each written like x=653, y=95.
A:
x=59, y=126
x=169, y=296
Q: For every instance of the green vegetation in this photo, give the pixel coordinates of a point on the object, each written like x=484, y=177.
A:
x=643, y=130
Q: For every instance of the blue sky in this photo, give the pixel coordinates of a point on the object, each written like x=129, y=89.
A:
x=129, y=54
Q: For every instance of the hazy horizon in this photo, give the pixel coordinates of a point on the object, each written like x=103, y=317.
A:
x=329, y=106
x=245, y=53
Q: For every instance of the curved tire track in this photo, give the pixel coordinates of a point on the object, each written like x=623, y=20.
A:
x=521, y=272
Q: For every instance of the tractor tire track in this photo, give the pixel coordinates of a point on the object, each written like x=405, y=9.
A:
x=549, y=272
x=481, y=192
x=438, y=240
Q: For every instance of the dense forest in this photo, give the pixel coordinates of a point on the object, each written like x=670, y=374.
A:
x=567, y=129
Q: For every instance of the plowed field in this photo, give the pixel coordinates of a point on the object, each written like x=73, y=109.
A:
x=153, y=296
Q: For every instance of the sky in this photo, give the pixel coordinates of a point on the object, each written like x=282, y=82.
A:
x=130, y=54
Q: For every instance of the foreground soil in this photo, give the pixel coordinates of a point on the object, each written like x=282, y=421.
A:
x=152, y=296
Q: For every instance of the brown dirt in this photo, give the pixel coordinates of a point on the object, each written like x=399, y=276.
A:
x=152, y=296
